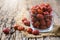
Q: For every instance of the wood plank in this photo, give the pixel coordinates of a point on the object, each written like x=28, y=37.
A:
x=54, y=38
x=9, y=9
x=58, y=6
x=55, y=6
x=47, y=38
x=40, y=38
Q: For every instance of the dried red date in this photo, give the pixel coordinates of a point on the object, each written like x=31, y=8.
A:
x=35, y=32
x=21, y=28
x=42, y=14
x=29, y=30
x=6, y=30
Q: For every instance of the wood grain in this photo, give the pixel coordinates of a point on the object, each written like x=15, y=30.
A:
x=10, y=8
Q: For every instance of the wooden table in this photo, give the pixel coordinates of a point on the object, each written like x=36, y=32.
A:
x=10, y=8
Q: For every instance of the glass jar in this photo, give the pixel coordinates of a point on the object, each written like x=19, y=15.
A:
x=41, y=17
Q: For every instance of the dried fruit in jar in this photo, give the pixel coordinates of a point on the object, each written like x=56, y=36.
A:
x=42, y=14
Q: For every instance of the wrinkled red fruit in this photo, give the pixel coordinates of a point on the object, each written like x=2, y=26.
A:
x=49, y=9
x=50, y=17
x=24, y=19
x=40, y=16
x=42, y=4
x=44, y=9
x=47, y=5
x=29, y=30
x=27, y=23
x=33, y=11
x=47, y=19
x=42, y=22
x=33, y=19
x=48, y=23
x=35, y=32
x=37, y=6
x=46, y=13
x=33, y=7
x=39, y=11
x=15, y=26
x=43, y=27
x=6, y=30
x=36, y=24
x=21, y=28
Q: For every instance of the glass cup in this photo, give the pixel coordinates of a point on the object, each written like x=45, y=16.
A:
x=41, y=20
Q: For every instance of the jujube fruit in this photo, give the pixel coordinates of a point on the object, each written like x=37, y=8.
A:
x=35, y=32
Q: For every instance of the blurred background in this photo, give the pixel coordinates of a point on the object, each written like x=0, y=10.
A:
x=12, y=5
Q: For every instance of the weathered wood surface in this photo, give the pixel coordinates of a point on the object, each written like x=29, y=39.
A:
x=10, y=8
